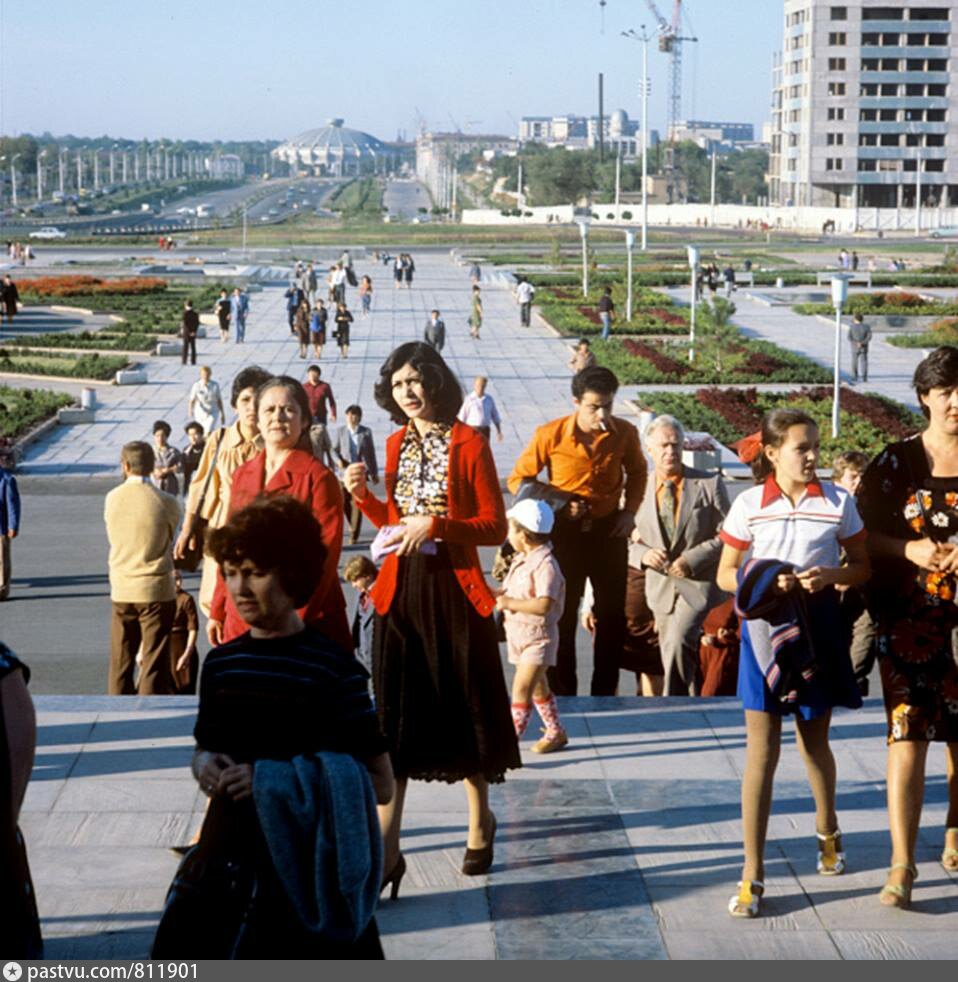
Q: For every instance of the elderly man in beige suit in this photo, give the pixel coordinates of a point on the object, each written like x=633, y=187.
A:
x=141, y=522
x=676, y=542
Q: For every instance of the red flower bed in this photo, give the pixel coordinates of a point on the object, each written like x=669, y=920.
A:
x=762, y=363
x=67, y=286
x=738, y=406
x=666, y=316
x=878, y=413
x=561, y=294
x=590, y=315
x=661, y=361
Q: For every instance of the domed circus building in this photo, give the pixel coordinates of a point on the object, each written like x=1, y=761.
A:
x=335, y=150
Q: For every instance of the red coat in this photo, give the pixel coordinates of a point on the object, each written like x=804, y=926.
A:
x=476, y=517
x=304, y=478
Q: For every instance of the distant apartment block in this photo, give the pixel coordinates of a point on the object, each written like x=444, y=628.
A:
x=225, y=167
x=621, y=134
x=709, y=133
x=437, y=159
x=865, y=104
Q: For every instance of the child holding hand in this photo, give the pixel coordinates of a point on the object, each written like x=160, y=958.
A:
x=532, y=600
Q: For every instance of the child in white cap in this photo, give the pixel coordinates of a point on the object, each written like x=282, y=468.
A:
x=532, y=599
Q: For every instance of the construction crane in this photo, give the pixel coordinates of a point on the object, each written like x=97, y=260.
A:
x=671, y=40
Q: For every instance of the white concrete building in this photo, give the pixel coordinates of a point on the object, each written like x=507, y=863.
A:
x=865, y=105
x=621, y=134
x=335, y=150
x=225, y=167
x=437, y=157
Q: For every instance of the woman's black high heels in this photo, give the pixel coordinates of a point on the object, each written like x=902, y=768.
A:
x=394, y=877
x=477, y=861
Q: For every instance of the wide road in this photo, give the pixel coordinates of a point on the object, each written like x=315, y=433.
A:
x=404, y=198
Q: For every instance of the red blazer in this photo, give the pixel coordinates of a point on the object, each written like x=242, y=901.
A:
x=477, y=516
x=304, y=478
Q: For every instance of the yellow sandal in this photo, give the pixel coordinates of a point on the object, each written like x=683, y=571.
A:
x=831, y=858
x=899, y=893
x=949, y=857
x=747, y=901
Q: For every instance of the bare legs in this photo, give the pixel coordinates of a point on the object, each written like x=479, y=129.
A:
x=651, y=685
x=763, y=746
x=390, y=821
x=529, y=681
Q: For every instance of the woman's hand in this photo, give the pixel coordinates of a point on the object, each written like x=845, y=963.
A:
x=184, y=541
x=948, y=557
x=184, y=659
x=237, y=781
x=208, y=769
x=214, y=632
x=785, y=582
x=924, y=553
x=417, y=530
x=354, y=480
x=815, y=578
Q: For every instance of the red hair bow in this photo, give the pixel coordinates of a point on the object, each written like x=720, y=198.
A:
x=749, y=447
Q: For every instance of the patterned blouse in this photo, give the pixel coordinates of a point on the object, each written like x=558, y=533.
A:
x=422, y=478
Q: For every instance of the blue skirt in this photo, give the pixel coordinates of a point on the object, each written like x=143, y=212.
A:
x=833, y=684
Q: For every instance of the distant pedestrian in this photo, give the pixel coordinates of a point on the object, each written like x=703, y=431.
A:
x=859, y=336
x=294, y=297
x=354, y=444
x=360, y=573
x=319, y=394
x=167, y=459
x=140, y=524
x=239, y=308
x=479, y=410
x=9, y=520
x=606, y=312
x=475, y=313
x=397, y=271
x=193, y=452
x=747, y=266
x=525, y=293
x=188, y=330
x=9, y=297
x=475, y=273
x=365, y=294
x=317, y=328
x=855, y=262
x=728, y=274
x=409, y=268
x=339, y=283
x=435, y=332
x=343, y=319
x=582, y=358
x=310, y=283
x=301, y=321
x=205, y=403
x=222, y=311
x=844, y=259
x=184, y=657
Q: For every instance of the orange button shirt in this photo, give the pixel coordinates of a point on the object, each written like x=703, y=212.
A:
x=596, y=472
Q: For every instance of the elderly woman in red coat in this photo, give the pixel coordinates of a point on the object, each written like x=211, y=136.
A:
x=287, y=466
x=437, y=675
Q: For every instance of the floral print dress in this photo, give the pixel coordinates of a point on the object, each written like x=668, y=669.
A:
x=915, y=608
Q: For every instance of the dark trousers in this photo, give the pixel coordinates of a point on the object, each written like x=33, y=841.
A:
x=525, y=314
x=860, y=361
x=131, y=625
x=189, y=346
x=591, y=554
x=353, y=515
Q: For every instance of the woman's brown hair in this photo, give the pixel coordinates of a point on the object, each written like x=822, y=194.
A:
x=775, y=427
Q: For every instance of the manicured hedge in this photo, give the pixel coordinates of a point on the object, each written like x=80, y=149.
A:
x=22, y=409
x=893, y=303
x=92, y=366
x=100, y=340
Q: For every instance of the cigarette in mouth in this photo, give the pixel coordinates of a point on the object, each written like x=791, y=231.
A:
x=602, y=426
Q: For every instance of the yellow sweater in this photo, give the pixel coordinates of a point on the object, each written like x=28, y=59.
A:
x=141, y=522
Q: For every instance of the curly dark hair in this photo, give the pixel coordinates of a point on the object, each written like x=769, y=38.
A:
x=441, y=386
x=938, y=371
x=251, y=377
x=275, y=533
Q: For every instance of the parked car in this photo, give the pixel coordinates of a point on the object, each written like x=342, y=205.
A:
x=48, y=232
x=949, y=232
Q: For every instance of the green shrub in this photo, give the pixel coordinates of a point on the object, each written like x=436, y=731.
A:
x=22, y=409
x=92, y=366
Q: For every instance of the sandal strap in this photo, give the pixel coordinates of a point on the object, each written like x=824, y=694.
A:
x=905, y=866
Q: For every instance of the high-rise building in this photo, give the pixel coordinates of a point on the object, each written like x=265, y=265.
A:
x=865, y=104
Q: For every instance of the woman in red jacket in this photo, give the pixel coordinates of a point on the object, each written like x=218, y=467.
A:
x=287, y=466
x=437, y=675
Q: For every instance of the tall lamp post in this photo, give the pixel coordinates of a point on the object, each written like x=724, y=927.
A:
x=583, y=223
x=694, y=266
x=644, y=38
x=13, y=178
x=839, y=299
x=63, y=172
x=40, y=157
x=629, y=247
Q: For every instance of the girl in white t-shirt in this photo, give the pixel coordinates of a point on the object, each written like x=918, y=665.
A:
x=791, y=517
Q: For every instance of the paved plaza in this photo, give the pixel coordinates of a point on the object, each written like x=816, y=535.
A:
x=627, y=845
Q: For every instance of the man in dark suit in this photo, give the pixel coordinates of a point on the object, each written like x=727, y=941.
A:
x=676, y=542
x=189, y=329
x=354, y=445
x=435, y=333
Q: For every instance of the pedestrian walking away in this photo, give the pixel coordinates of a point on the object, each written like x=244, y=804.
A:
x=475, y=313
x=222, y=310
x=9, y=299
x=591, y=458
x=859, y=337
x=525, y=293
x=188, y=330
x=434, y=333
x=475, y=273
x=793, y=658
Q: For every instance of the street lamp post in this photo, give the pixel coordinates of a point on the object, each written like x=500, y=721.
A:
x=694, y=265
x=629, y=247
x=644, y=38
x=13, y=178
x=584, y=234
x=96, y=168
x=79, y=171
x=839, y=299
x=63, y=173
x=40, y=157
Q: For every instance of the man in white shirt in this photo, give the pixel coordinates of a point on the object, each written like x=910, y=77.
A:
x=525, y=294
x=339, y=283
x=205, y=404
x=479, y=410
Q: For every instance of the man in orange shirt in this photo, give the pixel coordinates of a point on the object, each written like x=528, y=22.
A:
x=591, y=457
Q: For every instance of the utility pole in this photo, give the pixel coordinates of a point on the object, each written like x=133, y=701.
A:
x=519, y=203
x=618, y=178
x=40, y=157
x=712, y=200
x=62, y=162
x=918, y=193
x=644, y=38
x=79, y=171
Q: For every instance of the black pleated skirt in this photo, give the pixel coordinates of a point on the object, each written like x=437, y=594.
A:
x=440, y=691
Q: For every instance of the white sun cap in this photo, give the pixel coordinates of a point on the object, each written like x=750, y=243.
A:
x=535, y=516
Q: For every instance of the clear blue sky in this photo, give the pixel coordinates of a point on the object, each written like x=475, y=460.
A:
x=238, y=69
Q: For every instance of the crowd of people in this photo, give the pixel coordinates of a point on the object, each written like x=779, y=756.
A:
x=789, y=593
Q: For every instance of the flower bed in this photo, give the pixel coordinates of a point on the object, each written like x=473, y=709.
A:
x=55, y=287
x=893, y=302
x=868, y=422
x=92, y=366
x=652, y=312
x=741, y=361
x=23, y=409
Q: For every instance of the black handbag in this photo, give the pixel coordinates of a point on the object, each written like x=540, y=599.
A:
x=193, y=555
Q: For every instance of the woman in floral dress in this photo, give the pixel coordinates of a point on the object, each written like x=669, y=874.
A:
x=909, y=502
